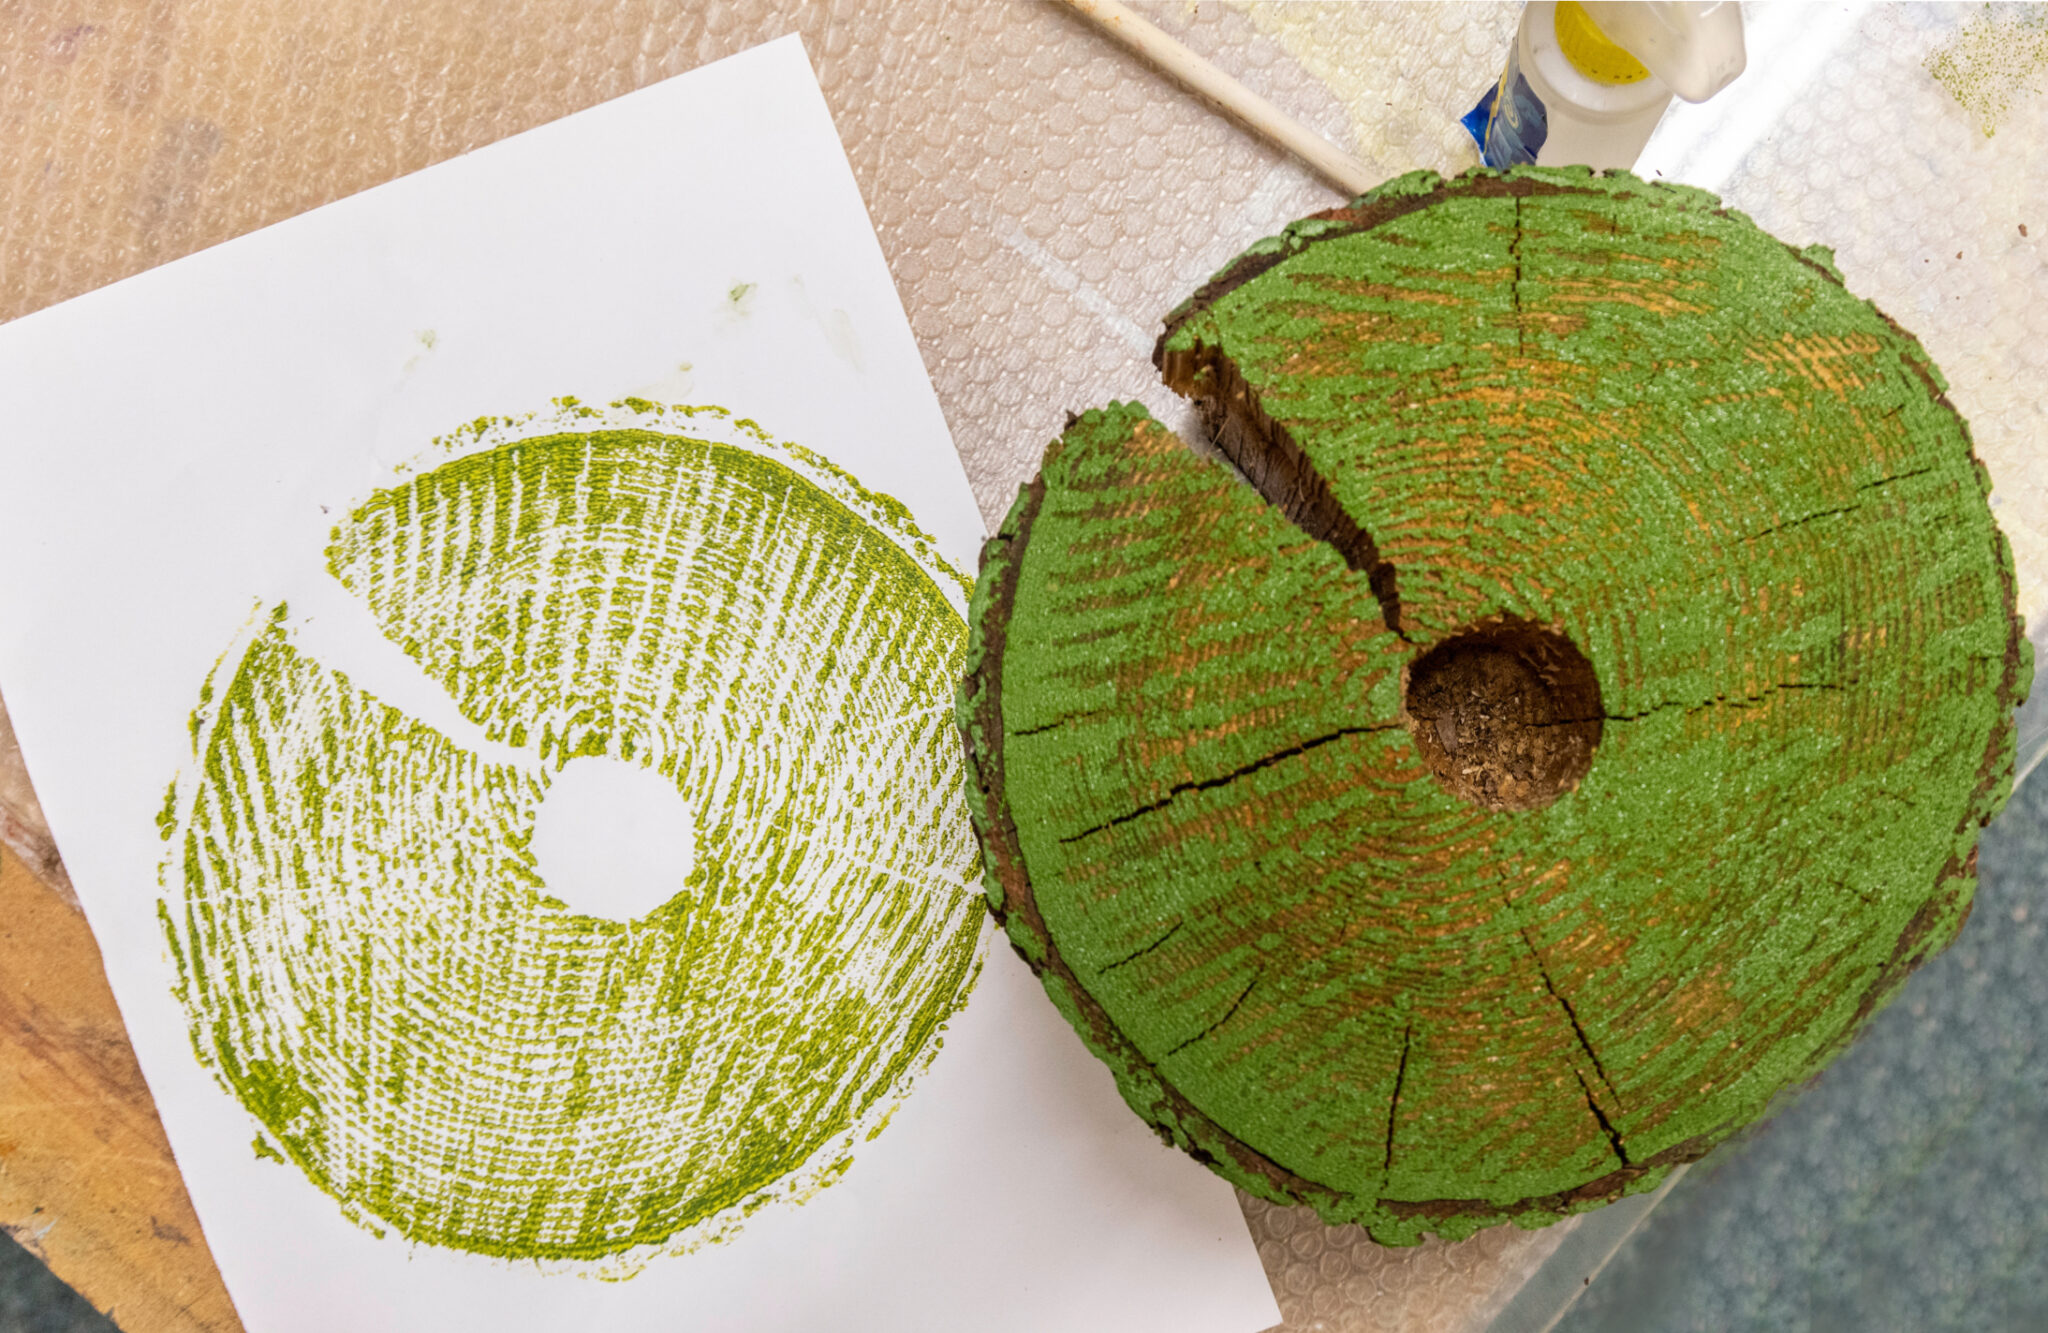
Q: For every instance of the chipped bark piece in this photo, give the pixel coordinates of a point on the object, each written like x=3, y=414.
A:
x=1581, y=722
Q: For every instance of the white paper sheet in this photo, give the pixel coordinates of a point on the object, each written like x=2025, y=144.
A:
x=177, y=451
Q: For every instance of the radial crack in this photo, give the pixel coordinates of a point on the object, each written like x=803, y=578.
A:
x=1721, y=700
x=1844, y=509
x=1277, y=467
x=1058, y=722
x=1814, y=517
x=1896, y=476
x=1394, y=1104
x=1228, y=1014
x=1606, y=1127
x=1515, y=288
x=1572, y=1017
x=1148, y=948
x=1233, y=775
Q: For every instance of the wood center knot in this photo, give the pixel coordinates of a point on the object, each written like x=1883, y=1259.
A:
x=1506, y=713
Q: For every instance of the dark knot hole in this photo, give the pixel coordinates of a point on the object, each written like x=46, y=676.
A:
x=1506, y=714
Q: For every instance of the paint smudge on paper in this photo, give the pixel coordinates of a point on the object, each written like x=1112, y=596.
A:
x=371, y=961
x=1994, y=61
x=836, y=325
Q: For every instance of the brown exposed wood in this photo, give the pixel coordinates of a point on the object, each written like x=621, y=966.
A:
x=1506, y=717
x=87, y=1182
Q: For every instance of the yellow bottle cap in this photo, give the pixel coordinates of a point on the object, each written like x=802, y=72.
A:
x=1589, y=50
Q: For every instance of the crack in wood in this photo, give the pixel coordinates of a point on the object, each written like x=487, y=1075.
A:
x=1718, y=701
x=1228, y=1014
x=1814, y=517
x=1145, y=949
x=1207, y=784
x=1606, y=1127
x=1058, y=722
x=1896, y=476
x=1819, y=514
x=1571, y=1016
x=1515, y=288
x=1267, y=456
x=1394, y=1104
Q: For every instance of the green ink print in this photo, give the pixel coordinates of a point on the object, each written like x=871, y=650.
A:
x=167, y=815
x=368, y=953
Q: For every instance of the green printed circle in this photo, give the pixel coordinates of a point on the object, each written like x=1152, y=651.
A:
x=371, y=962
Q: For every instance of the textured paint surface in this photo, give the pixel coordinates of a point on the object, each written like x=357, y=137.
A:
x=1605, y=407
x=369, y=958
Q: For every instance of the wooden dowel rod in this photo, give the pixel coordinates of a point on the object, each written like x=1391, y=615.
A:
x=1335, y=165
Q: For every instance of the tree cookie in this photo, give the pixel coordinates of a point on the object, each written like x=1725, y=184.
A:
x=1580, y=724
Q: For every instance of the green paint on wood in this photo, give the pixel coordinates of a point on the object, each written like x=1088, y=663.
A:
x=372, y=963
x=1591, y=404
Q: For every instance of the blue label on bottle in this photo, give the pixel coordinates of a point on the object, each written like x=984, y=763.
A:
x=1509, y=124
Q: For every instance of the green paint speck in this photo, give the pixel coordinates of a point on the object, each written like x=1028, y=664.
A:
x=1993, y=61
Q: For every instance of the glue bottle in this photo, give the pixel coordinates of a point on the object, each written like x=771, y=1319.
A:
x=1587, y=83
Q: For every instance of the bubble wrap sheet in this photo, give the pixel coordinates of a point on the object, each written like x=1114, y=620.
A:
x=1043, y=197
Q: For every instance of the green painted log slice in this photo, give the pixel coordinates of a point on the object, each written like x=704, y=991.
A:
x=369, y=952
x=1581, y=723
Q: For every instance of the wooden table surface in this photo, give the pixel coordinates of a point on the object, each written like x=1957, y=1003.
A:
x=87, y=1182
